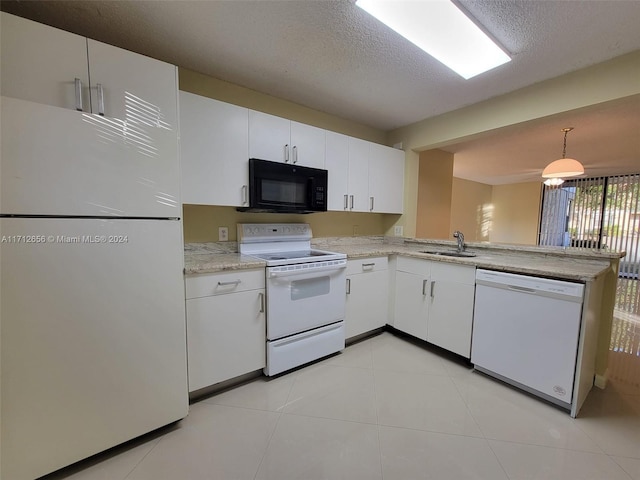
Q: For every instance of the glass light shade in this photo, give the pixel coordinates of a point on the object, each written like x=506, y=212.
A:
x=553, y=182
x=565, y=167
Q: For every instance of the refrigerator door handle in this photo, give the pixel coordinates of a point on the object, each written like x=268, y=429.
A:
x=78, y=86
x=100, y=99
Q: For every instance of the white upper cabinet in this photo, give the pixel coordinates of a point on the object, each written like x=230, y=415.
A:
x=358, y=175
x=337, y=164
x=370, y=180
x=40, y=63
x=308, y=145
x=46, y=65
x=280, y=140
x=214, y=151
x=386, y=179
x=269, y=137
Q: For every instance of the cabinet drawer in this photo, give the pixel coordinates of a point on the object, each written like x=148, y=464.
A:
x=206, y=285
x=450, y=272
x=364, y=265
x=413, y=265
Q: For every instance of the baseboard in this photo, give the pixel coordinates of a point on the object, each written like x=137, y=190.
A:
x=601, y=380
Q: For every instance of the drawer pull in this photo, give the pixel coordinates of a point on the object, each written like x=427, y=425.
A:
x=368, y=265
x=225, y=284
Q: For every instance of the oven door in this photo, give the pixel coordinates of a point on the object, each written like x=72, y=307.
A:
x=303, y=297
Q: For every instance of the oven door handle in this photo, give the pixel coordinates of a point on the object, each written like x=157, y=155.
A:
x=309, y=272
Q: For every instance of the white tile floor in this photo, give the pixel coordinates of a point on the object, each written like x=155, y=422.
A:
x=385, y=408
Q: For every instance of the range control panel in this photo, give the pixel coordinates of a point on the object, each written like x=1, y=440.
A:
x=273, y=232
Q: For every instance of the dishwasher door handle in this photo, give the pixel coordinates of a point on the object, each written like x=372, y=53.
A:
x=521, y=289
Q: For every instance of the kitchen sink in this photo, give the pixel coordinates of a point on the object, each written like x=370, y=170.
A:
x=449, y=253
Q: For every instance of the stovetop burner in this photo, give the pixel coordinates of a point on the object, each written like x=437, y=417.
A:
x=281, y=244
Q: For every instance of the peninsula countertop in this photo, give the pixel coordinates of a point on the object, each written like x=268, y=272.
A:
x=565, y=263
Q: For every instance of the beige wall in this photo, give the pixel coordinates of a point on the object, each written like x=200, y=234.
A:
x=435, y=176
x=206, y=86
x=615, y=79
x=201, y=222
x=515, y=213
x=471, y=209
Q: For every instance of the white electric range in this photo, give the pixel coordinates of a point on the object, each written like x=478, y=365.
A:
x=305, y=292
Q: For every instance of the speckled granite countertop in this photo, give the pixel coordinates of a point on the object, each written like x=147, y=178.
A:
x=570, y=263
x=216, y=257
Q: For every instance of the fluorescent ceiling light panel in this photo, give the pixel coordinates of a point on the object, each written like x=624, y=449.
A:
x=442, y=30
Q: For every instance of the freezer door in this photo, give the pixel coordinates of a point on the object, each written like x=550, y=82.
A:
x=57, y=161
x=93, y=337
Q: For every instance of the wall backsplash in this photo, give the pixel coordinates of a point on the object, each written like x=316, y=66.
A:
x=201, y=222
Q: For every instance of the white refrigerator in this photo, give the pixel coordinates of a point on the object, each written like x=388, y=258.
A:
x=92, y=332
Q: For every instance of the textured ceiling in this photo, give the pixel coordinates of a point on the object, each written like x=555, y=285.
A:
x=333, y=57
x=606, y=140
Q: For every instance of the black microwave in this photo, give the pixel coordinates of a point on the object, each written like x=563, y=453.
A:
x=286, y=188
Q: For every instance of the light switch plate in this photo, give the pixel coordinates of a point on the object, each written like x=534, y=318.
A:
x=398, y=230
x=223, y=234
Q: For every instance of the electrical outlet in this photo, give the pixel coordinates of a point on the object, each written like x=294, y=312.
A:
x=355, y=230
x=223, y=234
x=398, y=230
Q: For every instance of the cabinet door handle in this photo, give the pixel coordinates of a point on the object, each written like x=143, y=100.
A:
x=78, y=84
x=433, y=284
x=100, y=99
x=424, y=287
x=261, y=297
x=234, y=282
x=286, y=153
x=351, y=201
x=295, y=154
x=346, y=201
x=245, y=198
x=348, y=286
x=371, y=204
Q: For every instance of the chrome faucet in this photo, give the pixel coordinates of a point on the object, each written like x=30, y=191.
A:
x=458, y=235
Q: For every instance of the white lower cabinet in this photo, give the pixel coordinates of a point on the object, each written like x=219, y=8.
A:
x=451, y=310
x=412, y=296
x=367, y=295
x=226, y=328
x=434, y=302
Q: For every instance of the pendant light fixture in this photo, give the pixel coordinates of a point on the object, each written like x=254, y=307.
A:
x=565, y=167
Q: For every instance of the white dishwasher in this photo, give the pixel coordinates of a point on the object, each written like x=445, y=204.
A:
x=525, y=332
